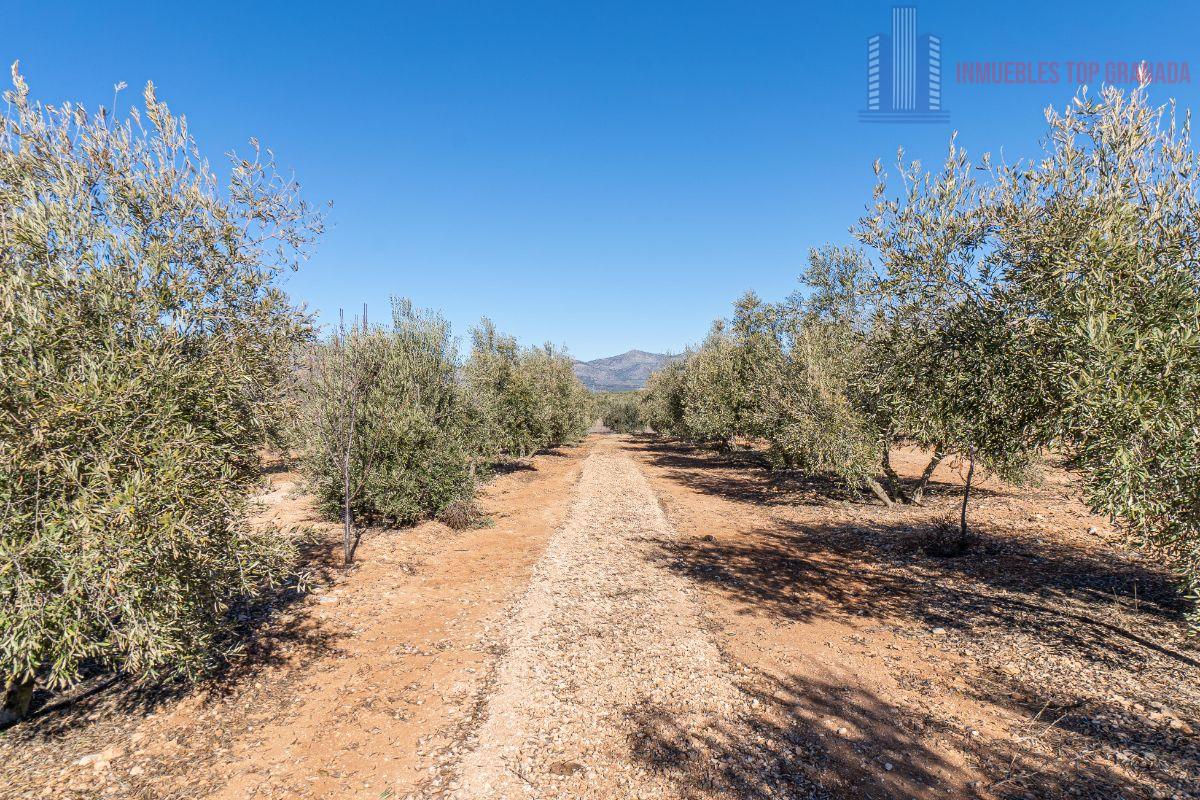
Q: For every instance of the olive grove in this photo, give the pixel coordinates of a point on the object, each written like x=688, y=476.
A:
x=1008, y=311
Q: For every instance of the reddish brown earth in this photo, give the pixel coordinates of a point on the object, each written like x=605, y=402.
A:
x=353, y=683
x=1047, y=662
x=770, y=637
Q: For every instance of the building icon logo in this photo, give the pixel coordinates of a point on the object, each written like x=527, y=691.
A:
x=904, y=73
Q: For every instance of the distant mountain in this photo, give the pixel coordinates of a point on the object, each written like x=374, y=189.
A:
x=621, y=373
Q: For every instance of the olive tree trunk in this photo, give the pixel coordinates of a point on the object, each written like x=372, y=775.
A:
x=894, y=487
x=17, y=696
x=879, y=492
x=939, y=453
x=963, y=531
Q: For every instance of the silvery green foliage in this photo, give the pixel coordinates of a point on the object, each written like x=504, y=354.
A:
x=946, y=368
x=621, y=411
x=663, y=397
x=810, y=385
x=781, y=374
x=384, y=421
x=394, y=430
x=1059, y=304
x=143, y=345
x=715, y=392
x=527, y=399
x=1099, y=241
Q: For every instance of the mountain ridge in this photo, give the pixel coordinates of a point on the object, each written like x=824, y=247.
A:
x=621, y=373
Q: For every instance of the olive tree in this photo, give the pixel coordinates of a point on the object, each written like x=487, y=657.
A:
x=564, y=405
x=421, y=421
x=1059, y=304
x=782, y=376
x=946, y=357
x=1100, y=243
x=802, y=365
x=622, y=411
x=143, y=347
x=528, y=399
x=387, y=431
x=715, y=390
x=663, y=399
x=336, y=380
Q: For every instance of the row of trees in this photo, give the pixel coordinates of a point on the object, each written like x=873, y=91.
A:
x=621, y=412
x=394, y=429
x=1053, y=303
x=147, y=358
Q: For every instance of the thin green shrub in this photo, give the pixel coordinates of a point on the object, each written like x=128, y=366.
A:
x=621, y=411
x=386, y=429
x=527, y=399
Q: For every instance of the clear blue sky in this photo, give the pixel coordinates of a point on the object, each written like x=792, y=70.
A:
x=601, y=175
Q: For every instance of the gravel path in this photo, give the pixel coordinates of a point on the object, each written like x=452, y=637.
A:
x=611, y=686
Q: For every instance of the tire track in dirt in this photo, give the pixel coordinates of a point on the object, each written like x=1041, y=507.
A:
x=611, y=685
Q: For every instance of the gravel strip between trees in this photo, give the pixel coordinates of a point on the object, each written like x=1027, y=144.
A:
x=611, y=686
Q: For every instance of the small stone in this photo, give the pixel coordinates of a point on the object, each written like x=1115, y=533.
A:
x=565, y=768
x=888, y=766
x=938, y=631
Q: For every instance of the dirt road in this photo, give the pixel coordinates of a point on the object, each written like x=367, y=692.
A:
x=606, y=651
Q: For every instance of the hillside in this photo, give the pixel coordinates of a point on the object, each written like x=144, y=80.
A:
x=621, y=373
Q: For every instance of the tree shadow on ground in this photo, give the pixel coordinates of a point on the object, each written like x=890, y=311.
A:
x=789, y=746
x=809, y=738
x=727, y=475
x=1062, y=602
x=509, y=467
x=800, y=571
x=1092, y=663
